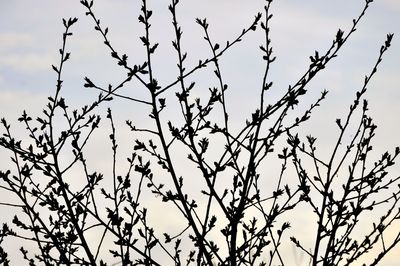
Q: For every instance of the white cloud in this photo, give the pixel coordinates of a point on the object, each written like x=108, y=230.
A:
x=28, y=63
x=18, y=52
x=392, y=4
x=12, y=39
x=12, y=102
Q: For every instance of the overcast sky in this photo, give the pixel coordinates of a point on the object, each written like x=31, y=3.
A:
x=31, y=31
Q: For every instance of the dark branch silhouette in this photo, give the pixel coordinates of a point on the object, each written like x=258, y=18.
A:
x=242, y=221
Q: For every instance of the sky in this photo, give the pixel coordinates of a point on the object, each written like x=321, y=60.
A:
x=31, y=31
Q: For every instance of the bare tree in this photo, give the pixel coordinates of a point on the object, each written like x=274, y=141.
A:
x=236, y=216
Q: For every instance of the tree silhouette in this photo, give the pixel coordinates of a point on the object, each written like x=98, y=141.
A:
x=227, y=209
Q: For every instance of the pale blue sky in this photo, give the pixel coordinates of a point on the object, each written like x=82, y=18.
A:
x=30, y=36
